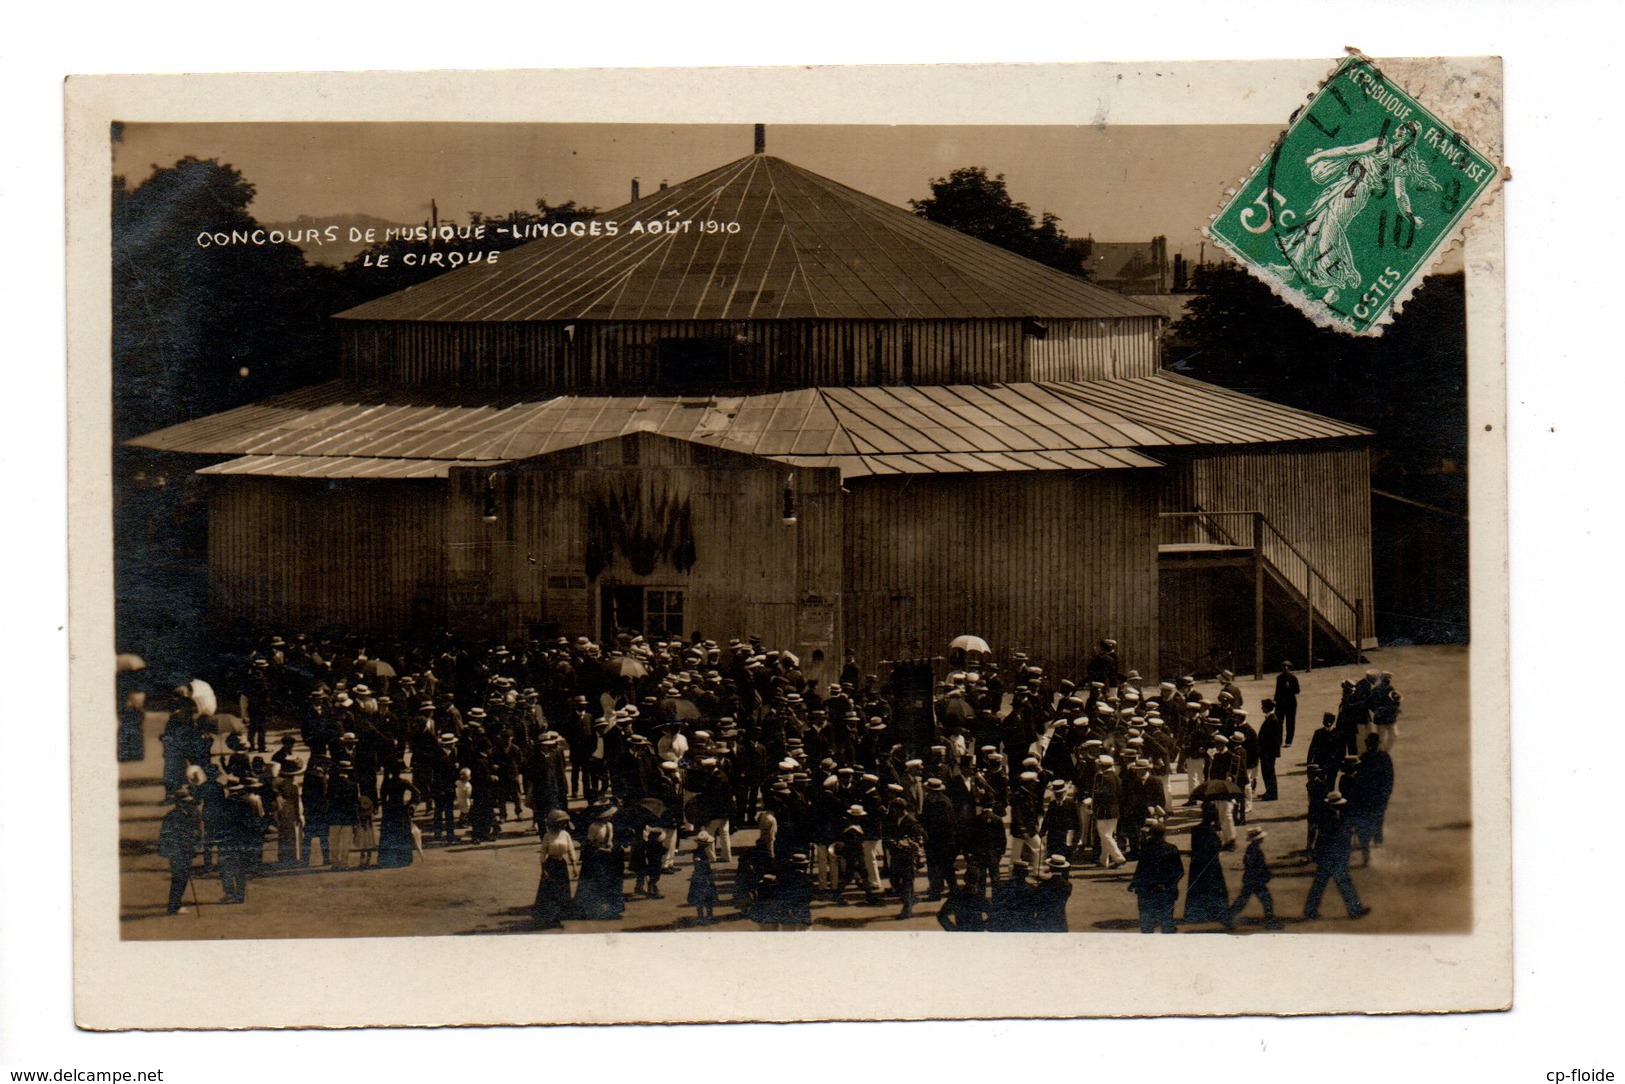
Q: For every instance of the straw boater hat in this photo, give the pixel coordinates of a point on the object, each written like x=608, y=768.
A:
x=1256, y=833
x=856, y=810
x=1058, y=862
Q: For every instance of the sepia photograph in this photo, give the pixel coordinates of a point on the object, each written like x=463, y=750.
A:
x=547, y=530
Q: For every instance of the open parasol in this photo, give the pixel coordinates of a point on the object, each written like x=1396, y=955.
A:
x=377, y=668
x=1217, y=790
x=625, y=667
x=970, y=643
x=202, y=694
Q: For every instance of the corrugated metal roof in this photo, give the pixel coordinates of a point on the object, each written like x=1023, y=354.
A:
x=326, y=466
x=805, y=247
x=1189, y=411
x=1091, y=425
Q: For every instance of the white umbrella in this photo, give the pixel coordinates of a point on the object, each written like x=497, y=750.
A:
x=203, y=696
x=970, y=643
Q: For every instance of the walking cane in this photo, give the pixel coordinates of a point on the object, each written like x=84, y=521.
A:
x=197, y=905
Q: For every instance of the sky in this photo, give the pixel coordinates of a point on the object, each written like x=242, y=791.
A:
x=1115, y=183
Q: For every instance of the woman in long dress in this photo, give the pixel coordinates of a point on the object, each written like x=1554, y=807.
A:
x=558, y=867
x=600, y=893
x=397, y=798
x=1207, y=897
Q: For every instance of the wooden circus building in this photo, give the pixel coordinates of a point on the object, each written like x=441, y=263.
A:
x=762, y=403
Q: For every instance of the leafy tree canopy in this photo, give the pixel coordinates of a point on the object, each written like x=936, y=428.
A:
x=198, y=325
x=1409, y=385
x=974, y=203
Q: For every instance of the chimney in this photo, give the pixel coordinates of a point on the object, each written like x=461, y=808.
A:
x=634, y=189
x=761, y=139
x=662, y=184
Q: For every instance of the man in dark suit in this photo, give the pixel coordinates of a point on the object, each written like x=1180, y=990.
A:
x=1012, y=908
x=178, y=838
x=1156, y=880
x=1326, y=747
x=1286, y=700
x=1331, y=855
x=1255, y=879
x=1369, y=805
x=1106, y=802
x=1269, y=749
x=941, y=839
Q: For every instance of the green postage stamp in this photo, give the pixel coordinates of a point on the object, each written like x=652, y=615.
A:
x=1355, y=201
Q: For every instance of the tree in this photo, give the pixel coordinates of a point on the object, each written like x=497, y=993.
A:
x=1408, y=386
x=970, y=201
x=209, y=312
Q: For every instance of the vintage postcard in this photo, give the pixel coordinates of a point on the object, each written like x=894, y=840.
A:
x=789, y=544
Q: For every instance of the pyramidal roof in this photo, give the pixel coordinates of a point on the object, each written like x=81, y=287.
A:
x=756, y=239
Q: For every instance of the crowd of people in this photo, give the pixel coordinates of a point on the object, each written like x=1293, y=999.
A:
x=618, y=754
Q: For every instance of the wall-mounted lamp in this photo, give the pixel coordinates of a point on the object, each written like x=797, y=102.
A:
x=489, y=514
x=789, y=500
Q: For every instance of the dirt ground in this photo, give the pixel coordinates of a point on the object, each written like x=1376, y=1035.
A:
x=1418, y=882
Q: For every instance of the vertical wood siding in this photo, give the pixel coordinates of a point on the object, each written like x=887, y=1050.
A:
x=1046, y=563
x=1319, y=498
x=753, y=574
x=620, y=357
x=305, y=553
x=1094, y=349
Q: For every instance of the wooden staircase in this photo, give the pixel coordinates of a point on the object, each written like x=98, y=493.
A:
x=1285, y=582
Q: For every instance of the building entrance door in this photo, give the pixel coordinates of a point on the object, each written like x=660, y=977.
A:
x=619, y=608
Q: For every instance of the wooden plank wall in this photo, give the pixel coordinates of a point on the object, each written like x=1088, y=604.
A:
x=1318, y=496
x=305, y=553
x=1042, y=562
x=1206, y=621
x=753, y=574
x=1095, y=349
x=621, y=357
